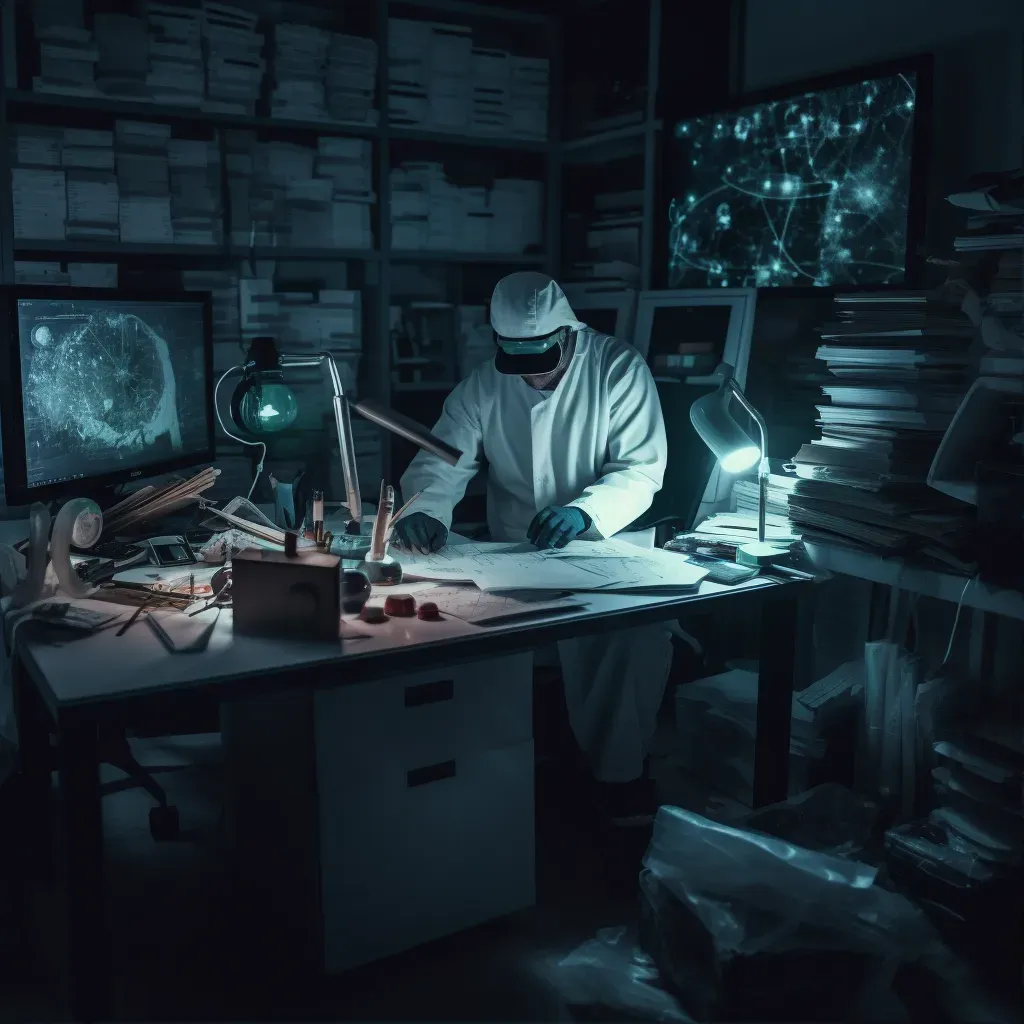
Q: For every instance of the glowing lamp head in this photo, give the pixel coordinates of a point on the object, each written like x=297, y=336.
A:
x=267, y=407
x=729, y=442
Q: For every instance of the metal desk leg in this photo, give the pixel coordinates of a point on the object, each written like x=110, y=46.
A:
x=776, y=672
x=88, y=937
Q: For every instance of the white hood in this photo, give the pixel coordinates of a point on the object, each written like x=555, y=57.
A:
x=528, y=304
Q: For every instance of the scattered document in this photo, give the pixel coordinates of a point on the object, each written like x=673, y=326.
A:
x=482, y=608
x=183, y=633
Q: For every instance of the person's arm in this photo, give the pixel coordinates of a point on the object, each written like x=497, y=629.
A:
x=440, y=486
x=637, y=454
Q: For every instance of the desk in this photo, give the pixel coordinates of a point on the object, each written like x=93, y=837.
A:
x=74, y=686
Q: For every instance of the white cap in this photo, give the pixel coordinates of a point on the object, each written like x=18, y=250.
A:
x=529, y=304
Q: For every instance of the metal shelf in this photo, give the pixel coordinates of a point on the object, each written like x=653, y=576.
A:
x=429, y=256
x=400, y=133
x=193, y=115
x=85, y=247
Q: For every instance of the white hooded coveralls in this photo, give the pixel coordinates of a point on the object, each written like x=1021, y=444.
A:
x=597, y=441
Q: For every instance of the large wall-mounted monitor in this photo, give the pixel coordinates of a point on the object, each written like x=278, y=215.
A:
x=101, y=387
x=818, y=184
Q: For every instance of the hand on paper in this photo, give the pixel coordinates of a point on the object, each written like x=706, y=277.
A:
x=420, y=533
x=554, y=527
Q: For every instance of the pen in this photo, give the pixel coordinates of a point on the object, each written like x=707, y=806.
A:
x=138, y=611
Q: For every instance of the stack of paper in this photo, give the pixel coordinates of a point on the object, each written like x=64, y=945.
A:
x=223, y=288
x=300, y=61
x=67, y=50
x=38, y=272
x=408, y=49
x=900, y=361
x=88, y=159
x=595, y=235
x=528, y=97
x=351, y=79
x=195, y=192
x=448, y=65
x=239, y=159
x=144, y=181
x=491, y=75
x=175, y=54
x=348, y=165
x=233, y=47
x=123, y=65
x=40, y=203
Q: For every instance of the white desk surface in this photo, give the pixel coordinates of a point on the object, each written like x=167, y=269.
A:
x=103, y=666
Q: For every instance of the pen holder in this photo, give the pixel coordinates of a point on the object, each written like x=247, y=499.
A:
x=383, y=573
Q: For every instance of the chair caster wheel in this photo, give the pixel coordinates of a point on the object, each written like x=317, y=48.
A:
x=163, y=823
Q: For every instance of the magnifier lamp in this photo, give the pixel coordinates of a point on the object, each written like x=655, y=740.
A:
x=736, y=453
x=263, y=405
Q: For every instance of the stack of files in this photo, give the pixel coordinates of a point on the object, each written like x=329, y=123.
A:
x=528, y=97
x=143, y=178
x=88, y=159
x=448, y=65
x=491, y=94
x=716, y=725
x=40, y=203
x=223, y=288
x=300, y=63
x=474, y=338
x=36, y=146
x=196, y=212
x=517, y=207
x=38, y=272
x=239, y=159
x=745, y=493
x=176, y=76
x=233, y=48
x=259, y=308
x=408, y=45
x=350, y=82
x=123, y=65
x=733, y=529
x=992, y=232
x=615, y=274
x=348, y=164
x=67, y=49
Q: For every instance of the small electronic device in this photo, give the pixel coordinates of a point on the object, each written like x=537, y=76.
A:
x=101, y=387
x=721, y=571
x=170, y=551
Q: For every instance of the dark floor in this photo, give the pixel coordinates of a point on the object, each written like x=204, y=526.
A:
x=174, y=938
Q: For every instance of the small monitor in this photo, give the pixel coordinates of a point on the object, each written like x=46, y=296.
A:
x=101, y=387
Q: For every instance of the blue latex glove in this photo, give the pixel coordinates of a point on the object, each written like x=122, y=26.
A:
x=420, y=533
x=554, y=527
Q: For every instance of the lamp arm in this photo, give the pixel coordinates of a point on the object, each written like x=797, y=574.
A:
x=763, y=467
x=343, y=425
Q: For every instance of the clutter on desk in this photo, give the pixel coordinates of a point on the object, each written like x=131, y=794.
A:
x=73, y=616
x=481, y=608
x=149, y=503
x=276, y=594
x=182, y=633
x=193, y=582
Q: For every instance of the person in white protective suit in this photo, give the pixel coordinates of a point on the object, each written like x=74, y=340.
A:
x=570, y=425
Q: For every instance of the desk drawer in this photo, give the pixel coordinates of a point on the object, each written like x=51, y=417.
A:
x=423, y=718
x=414, y=855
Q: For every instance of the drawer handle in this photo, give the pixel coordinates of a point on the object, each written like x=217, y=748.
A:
x=432, y=773
x=429, y=693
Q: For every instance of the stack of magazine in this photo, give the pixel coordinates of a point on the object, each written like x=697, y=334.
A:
x=899, y=366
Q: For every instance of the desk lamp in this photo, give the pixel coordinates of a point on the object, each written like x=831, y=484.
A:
x=263, y=404
x=736, y=453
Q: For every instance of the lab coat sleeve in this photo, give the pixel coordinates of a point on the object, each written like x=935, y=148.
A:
x=440, y=486
x=637, y=454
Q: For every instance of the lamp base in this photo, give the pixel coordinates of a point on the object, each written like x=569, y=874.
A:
x=761, y=553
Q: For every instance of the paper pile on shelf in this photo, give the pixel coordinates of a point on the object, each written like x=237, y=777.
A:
x=143, y=178
x=350, y=82
x=195, y=192
x=175, y=75
x=529, y=84
x=88, y=159
x=259, y=309
x=348, y=164
x=716, y=723
x=228, y=350
x=67, y=49
x=239, y=160
x=233, y=47
x=123, y=45
x=92, y=275
x=77, y=275
x=428, y=212
x=439, y=79
x=474, y=337
x=603, y=243
x=40, y=203
x=39, y=272
x=900, y=363
x=300, y=62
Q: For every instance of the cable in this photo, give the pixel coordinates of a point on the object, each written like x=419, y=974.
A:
x=956, y=620
x=235, y=437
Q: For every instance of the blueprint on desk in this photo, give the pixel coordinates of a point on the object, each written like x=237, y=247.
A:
x=471, y=604
x=511, y=566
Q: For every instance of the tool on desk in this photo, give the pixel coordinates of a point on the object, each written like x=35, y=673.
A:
x=134, y=618
x=382, y=524
x=171, y=551
x=318, y=518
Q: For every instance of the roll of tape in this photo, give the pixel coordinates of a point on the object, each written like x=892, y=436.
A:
x=78, y=523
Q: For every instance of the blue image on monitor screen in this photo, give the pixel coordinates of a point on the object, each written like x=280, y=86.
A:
x=110, y=386
x=809, y=191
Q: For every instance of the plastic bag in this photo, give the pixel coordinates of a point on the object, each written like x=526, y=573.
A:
x=611, y=972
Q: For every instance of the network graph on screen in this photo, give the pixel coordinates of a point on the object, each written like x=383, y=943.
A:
x=809, y=191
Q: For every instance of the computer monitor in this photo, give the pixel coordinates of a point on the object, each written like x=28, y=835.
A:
x=817, y=184
x=99, y=387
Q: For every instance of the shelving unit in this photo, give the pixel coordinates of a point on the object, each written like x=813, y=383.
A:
x=373, y=271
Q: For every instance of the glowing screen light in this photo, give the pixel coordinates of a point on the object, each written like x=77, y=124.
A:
x=809, y=191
